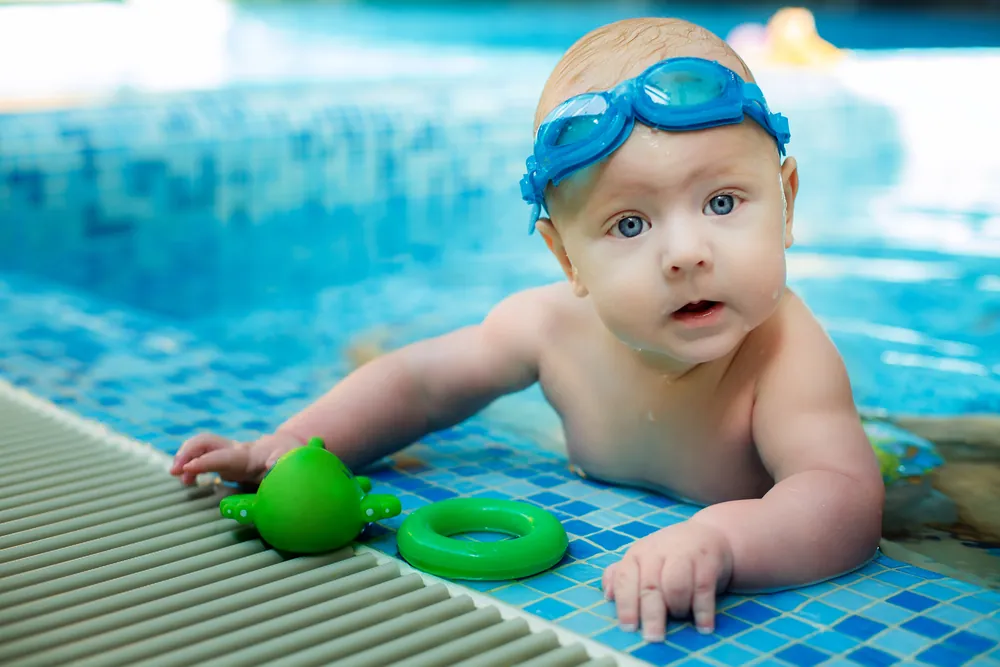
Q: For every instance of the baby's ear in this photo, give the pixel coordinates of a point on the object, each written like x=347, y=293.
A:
x=554, y=241
x=790, y=189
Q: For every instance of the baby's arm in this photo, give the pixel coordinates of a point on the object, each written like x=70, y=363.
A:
x=823, y=515
x=397, y=398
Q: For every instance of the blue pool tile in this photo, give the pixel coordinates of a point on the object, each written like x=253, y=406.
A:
x=873, y=588
x=800, y=654
x=896, y=578
x=899, y=641
x=784, y=600
x=577, y=508
x=581, y=597
x=753, y=612
x=872, y=657
x=606, y=610
x=951, y=614
x=518, y=489
x=634, y=509
x=821, y=613
x=662, y=519
x=690, y=639
x=469, y=471
x=656, y=500
x=618, y=639
x=659, y=653
x=582, y=550
x=584, y=623
x=517, y=472
x=581, y=572
x=547, y=499
x=832, y=642
x=610, y=540
x=884, y=612
x=547, y=481
x=977, y=604
x=936, y=591
x=550, y=609
x=788, y=626
x=942, y=656
x=727, y=626
x=492, y=494
x=549, y=583
x=581, y=528
x=846, y=599
x=927, y=627
x=637, y=529
x=761, y=640
x=859, y=627
x=517, y=595
x=435, y=494
x=912, y=601
x=967, y=642
x=731, y=654
x=987, y=627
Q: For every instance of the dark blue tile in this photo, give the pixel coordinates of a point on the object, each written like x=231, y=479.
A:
x=912, y=601
x=872, y=657
x=610, y=540
x=582, y=550
x=468, y=471
x=577, y=527
x=927, y=627
x=550, y=609
x=727, y=626
x=547, y=499
x=516, y=473
x=967, y=642
x=657, y=500
x=410, y=484
x=800, y=654
x=752, y=612
x=435, y=493
x=940, y=655
x=637, y=529
x=659, y=654
x=577, y=508
x=690, y=639
x=860, y=627
x=547, y=481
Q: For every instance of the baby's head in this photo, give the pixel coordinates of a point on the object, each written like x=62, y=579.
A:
x=677, y=237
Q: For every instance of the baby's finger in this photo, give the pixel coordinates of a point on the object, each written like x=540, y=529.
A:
x=197, y=446
x=703, y=604
x=230, y=463
x=676, y=583
x=608, y=582
x=652, y=608
x=626, y=578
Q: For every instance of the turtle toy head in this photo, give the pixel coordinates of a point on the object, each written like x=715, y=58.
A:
x=310, y=502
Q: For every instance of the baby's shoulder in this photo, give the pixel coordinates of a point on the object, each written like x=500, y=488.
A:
x=547, y=310
x=792, y=340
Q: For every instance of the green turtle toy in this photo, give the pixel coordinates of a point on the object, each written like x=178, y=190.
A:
x=309, y=502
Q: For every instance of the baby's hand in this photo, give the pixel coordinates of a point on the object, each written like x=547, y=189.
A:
x=675, y=571
x=235, y=462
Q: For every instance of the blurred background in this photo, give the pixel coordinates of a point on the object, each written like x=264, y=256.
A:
x=196, y=194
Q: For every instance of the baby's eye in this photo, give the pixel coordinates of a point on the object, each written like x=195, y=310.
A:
x=720, y=205
x=630, y=227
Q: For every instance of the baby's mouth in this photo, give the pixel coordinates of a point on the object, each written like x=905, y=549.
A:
x=696, y=310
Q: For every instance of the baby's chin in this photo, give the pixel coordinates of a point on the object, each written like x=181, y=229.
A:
x=670, y=351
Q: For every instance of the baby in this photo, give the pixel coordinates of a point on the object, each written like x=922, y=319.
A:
x=674, y=354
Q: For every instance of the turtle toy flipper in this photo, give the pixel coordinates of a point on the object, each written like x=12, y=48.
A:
x=239, y=507
x=365, y=483
x=376, y=506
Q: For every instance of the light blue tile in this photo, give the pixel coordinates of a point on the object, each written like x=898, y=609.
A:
x=899, y=579
x=761, y=640
x=623, y=641
x=832, y=642
x=936, y=591
x=820, y=613
x=607, y=519
x=606, y=610
x=899, y=642
x=518, y=595
x=585, y=623
x=549, y=583
x=581, y=571
x=889, y=614
x=730, y=654
x=581, y=597
x=847, y=600
x=662, y=519
x=604, y=500
x=874, y=589
x=790, y=627
x=784, y=600
x=519, y=489
x=987, y=627
x=951, y=614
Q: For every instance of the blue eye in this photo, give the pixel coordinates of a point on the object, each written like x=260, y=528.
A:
x=631, y=226
x=721, y=205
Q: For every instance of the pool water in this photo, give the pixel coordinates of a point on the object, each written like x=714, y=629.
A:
x=214, y=260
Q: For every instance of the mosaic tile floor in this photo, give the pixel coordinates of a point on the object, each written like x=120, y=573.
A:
x=159, y=384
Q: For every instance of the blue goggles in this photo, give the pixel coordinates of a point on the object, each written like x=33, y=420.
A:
x=675, y=94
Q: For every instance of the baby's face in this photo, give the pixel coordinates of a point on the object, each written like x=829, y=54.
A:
x=679, y=238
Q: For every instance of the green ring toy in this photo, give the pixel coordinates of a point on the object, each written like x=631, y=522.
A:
x=425, y=539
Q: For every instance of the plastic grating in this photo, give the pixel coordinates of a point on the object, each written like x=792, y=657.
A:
x=106, y=560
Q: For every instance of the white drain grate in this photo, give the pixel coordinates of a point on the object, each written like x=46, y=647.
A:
x=105, y=560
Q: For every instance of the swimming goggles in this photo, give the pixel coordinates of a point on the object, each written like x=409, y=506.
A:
x=675, y=94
